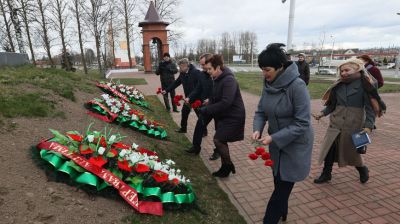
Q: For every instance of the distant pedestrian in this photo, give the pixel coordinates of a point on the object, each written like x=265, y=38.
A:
x=285, y=104
x=167, y=70
x=304, y=68
x=372, y=69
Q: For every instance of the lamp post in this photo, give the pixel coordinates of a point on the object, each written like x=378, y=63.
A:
x=291, y=24
x=333, y=45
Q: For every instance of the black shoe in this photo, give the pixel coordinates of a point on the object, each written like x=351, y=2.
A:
x=364, y=174
x=325, y=177
x=284, y=218
x=194, y=149
x=175, y=110
x=205, y=134
x=225, y=170
x=215, y=155
x=180, y=130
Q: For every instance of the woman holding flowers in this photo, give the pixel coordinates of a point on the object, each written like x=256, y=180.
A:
x=285, y=104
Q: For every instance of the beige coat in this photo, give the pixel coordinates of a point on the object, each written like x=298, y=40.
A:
x=350, y=112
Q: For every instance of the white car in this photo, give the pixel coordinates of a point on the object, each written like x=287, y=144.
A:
x=326, y=71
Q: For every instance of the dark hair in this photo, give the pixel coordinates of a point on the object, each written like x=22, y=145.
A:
x=216, y=60
x=273, y=56
x=166, y=55
x=366, y=58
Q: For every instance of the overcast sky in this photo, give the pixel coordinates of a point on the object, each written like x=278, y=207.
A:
x=351, y=23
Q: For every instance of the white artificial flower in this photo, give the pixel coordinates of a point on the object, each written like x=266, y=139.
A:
x=112, y=138
x=135, y=92
x=134, y=117
x=122, y=90
x=187, y=181
x=125, y=113
x=170, y=162
x=135, y=146
x=105, y=96
x=109, y=84
x=122, y=153
x=134, y=157
x=101, y=150
x=178, y=171
x=90, y=138
x=157, y=166
x=145, y=122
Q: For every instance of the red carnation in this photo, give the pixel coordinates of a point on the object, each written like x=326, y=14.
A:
x=260, y=150
x=160, y=176
x=265, y=156
x=114, y=152
x=196, y=104
x=269, y=162
x=148, y=152
x=74, y=137
x=253, y=156
x=120, y=145
x=175, y=181
x=98, y=161
x=84, y=149
x=141, y=117
x=159, y=90
x=141, y=168
x=124, y=165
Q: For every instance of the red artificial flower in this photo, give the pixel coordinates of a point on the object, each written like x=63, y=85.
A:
x=269, y=162
x=98, y=161
x=120, y=145
x=84, y=149
x=265, y=156
x=253, y=156
x=260, y=150
x=124, y=165
x=159, y=90
x=131, y=112
x=148, y=152
x=74, y=137
x=175, y=181
x=103, y=142
x=196, y=104
x=114, y=152
x=141, y=168
x=141, y=117
x=160, y=176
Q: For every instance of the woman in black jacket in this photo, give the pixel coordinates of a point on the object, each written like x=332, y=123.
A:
x=227, y=108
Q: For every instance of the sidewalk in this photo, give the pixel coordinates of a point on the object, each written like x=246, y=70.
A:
x=344, y=200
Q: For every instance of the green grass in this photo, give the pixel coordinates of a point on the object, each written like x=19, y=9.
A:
x=132, y=81
x=253, y=83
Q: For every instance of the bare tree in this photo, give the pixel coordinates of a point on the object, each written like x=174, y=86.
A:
x=17, y=25
x=26, y=8
x=59, y=11
x=96, y=15
x=127, y=8
x=8, y=28
x=43, y=21
x=76, y=9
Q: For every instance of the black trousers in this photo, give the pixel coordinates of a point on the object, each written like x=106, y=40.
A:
x=185, y=115
x=165, y=85
x=278, y=203
x=201, y=127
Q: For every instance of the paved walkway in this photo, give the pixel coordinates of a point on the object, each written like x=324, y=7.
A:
x=344, y=200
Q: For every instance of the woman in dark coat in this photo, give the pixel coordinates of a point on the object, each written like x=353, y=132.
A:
x=285, y=104
x=372, y=69
x=227, y=108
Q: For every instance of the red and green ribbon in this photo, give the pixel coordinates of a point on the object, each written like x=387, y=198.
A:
x=116, y=93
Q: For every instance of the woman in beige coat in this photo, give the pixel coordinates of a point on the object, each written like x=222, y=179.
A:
x=349, y=106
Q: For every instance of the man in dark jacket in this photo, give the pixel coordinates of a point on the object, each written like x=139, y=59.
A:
x=304, y=68
x=203, y=91
x=166, y=70
x=188, y=77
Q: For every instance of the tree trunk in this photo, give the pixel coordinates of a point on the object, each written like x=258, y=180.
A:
x=7, y=27
x=25, y=18
x=97, y=37
x=61, y=22
x=127, y=32
x=80, y=36
x=17, y=26
x=45, y=36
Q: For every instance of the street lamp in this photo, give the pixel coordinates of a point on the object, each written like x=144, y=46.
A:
x=397, y=59
x=333, y=45
x=291, y=24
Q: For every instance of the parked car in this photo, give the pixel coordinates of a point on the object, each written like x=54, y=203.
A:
x=326, y=71
x=390, y=65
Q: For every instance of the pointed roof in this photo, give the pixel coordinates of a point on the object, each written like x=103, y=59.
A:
x=152, y=16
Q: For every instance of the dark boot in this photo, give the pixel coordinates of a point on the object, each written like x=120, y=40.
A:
x=195, y=149
x=364, y=174
x=326, y=174
x=284, y=218
x=225, y=170
x=215, y=155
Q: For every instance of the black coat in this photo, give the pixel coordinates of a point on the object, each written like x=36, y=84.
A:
x=227, y=108
x=203, y=88
x=188, y=80
x=166, y=70
x=304, y=70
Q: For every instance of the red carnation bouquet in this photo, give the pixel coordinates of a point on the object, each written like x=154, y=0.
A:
x=159, y=90
x=262, y=153
x=177, y=100
x=196, y=104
